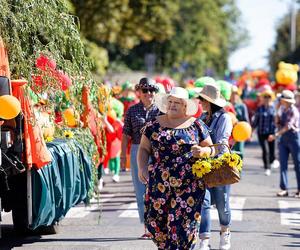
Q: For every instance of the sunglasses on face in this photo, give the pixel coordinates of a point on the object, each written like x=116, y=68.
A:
x=145, y=91
x=267, y=96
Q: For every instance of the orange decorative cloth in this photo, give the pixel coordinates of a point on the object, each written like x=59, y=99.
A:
x=36, y=152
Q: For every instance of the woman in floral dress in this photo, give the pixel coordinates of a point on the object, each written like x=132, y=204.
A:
x=173, y=196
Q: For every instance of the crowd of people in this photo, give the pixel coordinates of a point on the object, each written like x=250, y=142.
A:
x=160, y=131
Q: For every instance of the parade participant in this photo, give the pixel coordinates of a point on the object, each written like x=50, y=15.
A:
x=127, y=96
x=220, y=127
x=134, y=120
x=288, y=131
x=241, y=112
x=174, y=195
x=264, y=121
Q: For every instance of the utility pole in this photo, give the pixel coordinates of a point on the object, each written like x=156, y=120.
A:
x=293, y=25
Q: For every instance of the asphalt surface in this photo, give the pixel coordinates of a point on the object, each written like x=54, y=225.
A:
x=260, y=220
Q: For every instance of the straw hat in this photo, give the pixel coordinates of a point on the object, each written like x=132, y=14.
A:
x=161, y=101
x=288, y=96
x=212, y=94
x=268, y=92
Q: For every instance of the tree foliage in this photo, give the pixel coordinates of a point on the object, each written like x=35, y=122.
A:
x=124, y=22
x=281, y=50
x=199, y=33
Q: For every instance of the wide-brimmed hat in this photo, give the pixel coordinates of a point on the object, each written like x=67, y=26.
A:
x=212, y=94
x=267, y=92
x=146, y=83
x=288, y=96
x=161, y=101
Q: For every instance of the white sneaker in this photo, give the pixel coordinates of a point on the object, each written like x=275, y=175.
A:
x=100, y=185
x=106, y=170
x=275, y=164
x=204, y=244
x=116, y=178
x=268, y=172
x=225, y=240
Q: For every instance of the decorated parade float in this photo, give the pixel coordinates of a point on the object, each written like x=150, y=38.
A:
x=52, y=138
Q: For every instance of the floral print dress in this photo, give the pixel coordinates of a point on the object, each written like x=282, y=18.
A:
x=173, y=196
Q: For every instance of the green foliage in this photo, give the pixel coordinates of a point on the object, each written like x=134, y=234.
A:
x=281, y=50
x=125, y=22
x=206, y=31
x=30, y=28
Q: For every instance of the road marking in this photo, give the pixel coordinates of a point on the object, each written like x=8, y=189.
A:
x=236, y=205
x=81, y=210
x=289, y=213
x=131, y=211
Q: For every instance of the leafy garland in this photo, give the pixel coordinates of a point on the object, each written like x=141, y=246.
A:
x=33, y=28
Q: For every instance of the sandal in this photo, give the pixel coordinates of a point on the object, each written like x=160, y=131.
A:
x=146, y=236
x=282, y=193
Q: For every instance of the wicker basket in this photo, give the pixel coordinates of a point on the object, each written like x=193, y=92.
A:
x=224, y=175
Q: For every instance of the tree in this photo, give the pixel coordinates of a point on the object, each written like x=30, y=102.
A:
x=125, y=23
x=281, y=50
x=205, y=33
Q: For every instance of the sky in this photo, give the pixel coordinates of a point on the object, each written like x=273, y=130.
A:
x=260, y=18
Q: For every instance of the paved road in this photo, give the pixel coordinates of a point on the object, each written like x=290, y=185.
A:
x=260, y=219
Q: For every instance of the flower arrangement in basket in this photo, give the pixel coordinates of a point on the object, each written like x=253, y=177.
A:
x=219, y=171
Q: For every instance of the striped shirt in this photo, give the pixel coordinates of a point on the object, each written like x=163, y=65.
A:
x=136, y=118
x=264, y=120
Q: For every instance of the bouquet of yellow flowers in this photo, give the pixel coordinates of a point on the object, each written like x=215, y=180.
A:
x=220, y=171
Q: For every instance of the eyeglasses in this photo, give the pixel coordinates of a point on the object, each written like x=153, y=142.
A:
x=267, y=96
x=145, y=91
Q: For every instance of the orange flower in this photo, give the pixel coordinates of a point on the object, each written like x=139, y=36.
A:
x=161, y=187
x=173, y=182
x=156, y=205
x=197, y=216
x=190, y=201
x=165, y=175
x=173, y=203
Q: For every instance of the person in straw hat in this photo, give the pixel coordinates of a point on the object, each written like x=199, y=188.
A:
x=264, y=121
x=174, y=195
x=220, y=126
x=289, y=141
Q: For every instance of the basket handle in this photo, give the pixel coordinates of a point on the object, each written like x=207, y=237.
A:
x=221, y=144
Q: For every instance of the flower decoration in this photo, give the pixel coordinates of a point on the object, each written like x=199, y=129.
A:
x=205, y=165
x=49, y=139
x=68, y=134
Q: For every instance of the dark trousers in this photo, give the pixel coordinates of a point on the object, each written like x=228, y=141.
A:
x=268, y=150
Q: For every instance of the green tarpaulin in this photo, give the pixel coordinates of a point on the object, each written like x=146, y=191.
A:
x=61, y=184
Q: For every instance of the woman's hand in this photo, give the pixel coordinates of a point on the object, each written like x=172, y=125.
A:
x=143, y=175
x=271, y=138
x=200, y=152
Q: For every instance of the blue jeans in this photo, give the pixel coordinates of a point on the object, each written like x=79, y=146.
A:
x=139, y=187
x=220, y=197
x=289, y=143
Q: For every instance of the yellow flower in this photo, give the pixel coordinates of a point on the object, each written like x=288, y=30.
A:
x=68, y=134
x=49, y=139
x=216, y=164
x=200, y=168
x=233, y=161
